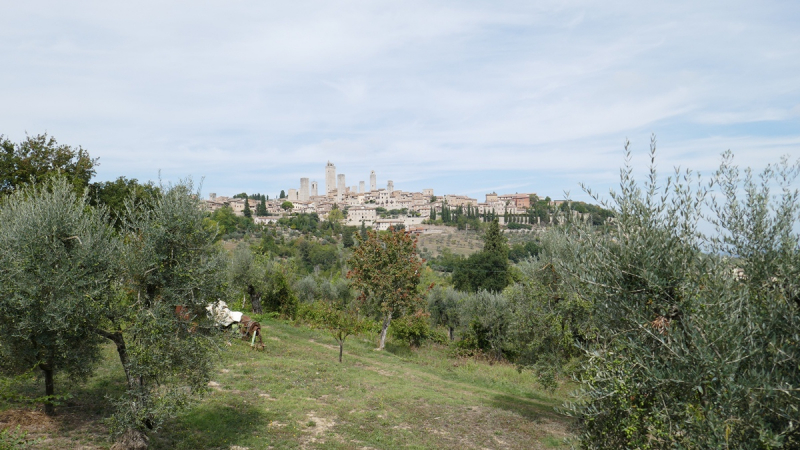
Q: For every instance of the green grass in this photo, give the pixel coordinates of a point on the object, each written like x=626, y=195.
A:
x=295, y=394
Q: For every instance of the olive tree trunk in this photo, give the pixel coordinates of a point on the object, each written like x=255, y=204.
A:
x=49, y=389
x=255, y=299
x=119, y=341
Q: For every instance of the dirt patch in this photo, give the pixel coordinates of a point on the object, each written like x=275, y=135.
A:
x=317, y=426
x=320, y=425
x=32, y=421
x=59, y=431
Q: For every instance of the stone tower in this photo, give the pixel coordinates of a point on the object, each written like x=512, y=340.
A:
x=314, y=189
x=390, y=186
x=360, y=187
x=373, y=182
x=303, y=189
x=330, y=178
x=341, y=188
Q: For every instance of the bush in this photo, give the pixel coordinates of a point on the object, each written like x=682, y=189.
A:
x=439, y=336
x=412, y=329
x=311, y=314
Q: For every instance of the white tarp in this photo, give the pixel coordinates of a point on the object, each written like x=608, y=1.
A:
x=222, y=315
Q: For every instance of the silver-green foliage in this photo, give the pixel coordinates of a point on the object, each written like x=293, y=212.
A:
x=689, y=355
x=488, y=315
x=312, y=288
x=170, y=262
x=548, y=317
x=56, y=267
x=247, y=276
x=444, y=305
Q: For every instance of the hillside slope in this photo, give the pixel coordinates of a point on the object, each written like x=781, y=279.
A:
x=296, y=395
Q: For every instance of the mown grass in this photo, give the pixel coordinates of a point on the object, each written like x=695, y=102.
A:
x=295, y=394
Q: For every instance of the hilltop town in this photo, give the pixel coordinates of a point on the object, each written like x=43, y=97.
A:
x=364, y=206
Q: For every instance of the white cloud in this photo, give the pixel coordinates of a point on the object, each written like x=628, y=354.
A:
x=254, y=94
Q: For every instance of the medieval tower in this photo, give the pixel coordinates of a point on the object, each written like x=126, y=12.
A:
x=341, y=188
x=303, y=190
x=330, y=178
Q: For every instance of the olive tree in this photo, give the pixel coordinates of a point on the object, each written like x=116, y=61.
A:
x=697, y=336
x=246, y=273
x=56, y=267
x=444, y=304
x=488, y=315
x=166, y=343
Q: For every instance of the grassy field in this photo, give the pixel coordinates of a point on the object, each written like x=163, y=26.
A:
x=295, y=394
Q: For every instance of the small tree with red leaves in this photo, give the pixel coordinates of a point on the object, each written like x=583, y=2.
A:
x=386, y=271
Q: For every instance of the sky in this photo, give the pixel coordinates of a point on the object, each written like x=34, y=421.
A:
x=460, y=96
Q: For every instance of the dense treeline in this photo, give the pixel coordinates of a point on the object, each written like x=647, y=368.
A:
x=542, y=212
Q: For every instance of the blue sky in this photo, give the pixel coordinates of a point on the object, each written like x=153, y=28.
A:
x=460, y=96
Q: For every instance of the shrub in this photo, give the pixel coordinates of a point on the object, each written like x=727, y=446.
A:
x=413, y=329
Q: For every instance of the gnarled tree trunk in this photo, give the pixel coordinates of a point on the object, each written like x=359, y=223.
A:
x=49, y=389
x=255, y=299
x=119, y=340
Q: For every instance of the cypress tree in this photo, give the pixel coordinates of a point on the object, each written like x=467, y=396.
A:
x=261, y=209
x=247, y=212
x=494, y=240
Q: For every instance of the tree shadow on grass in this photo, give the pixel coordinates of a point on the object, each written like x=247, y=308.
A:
x=531, y=410
x=78, y=417
x=215, y=425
